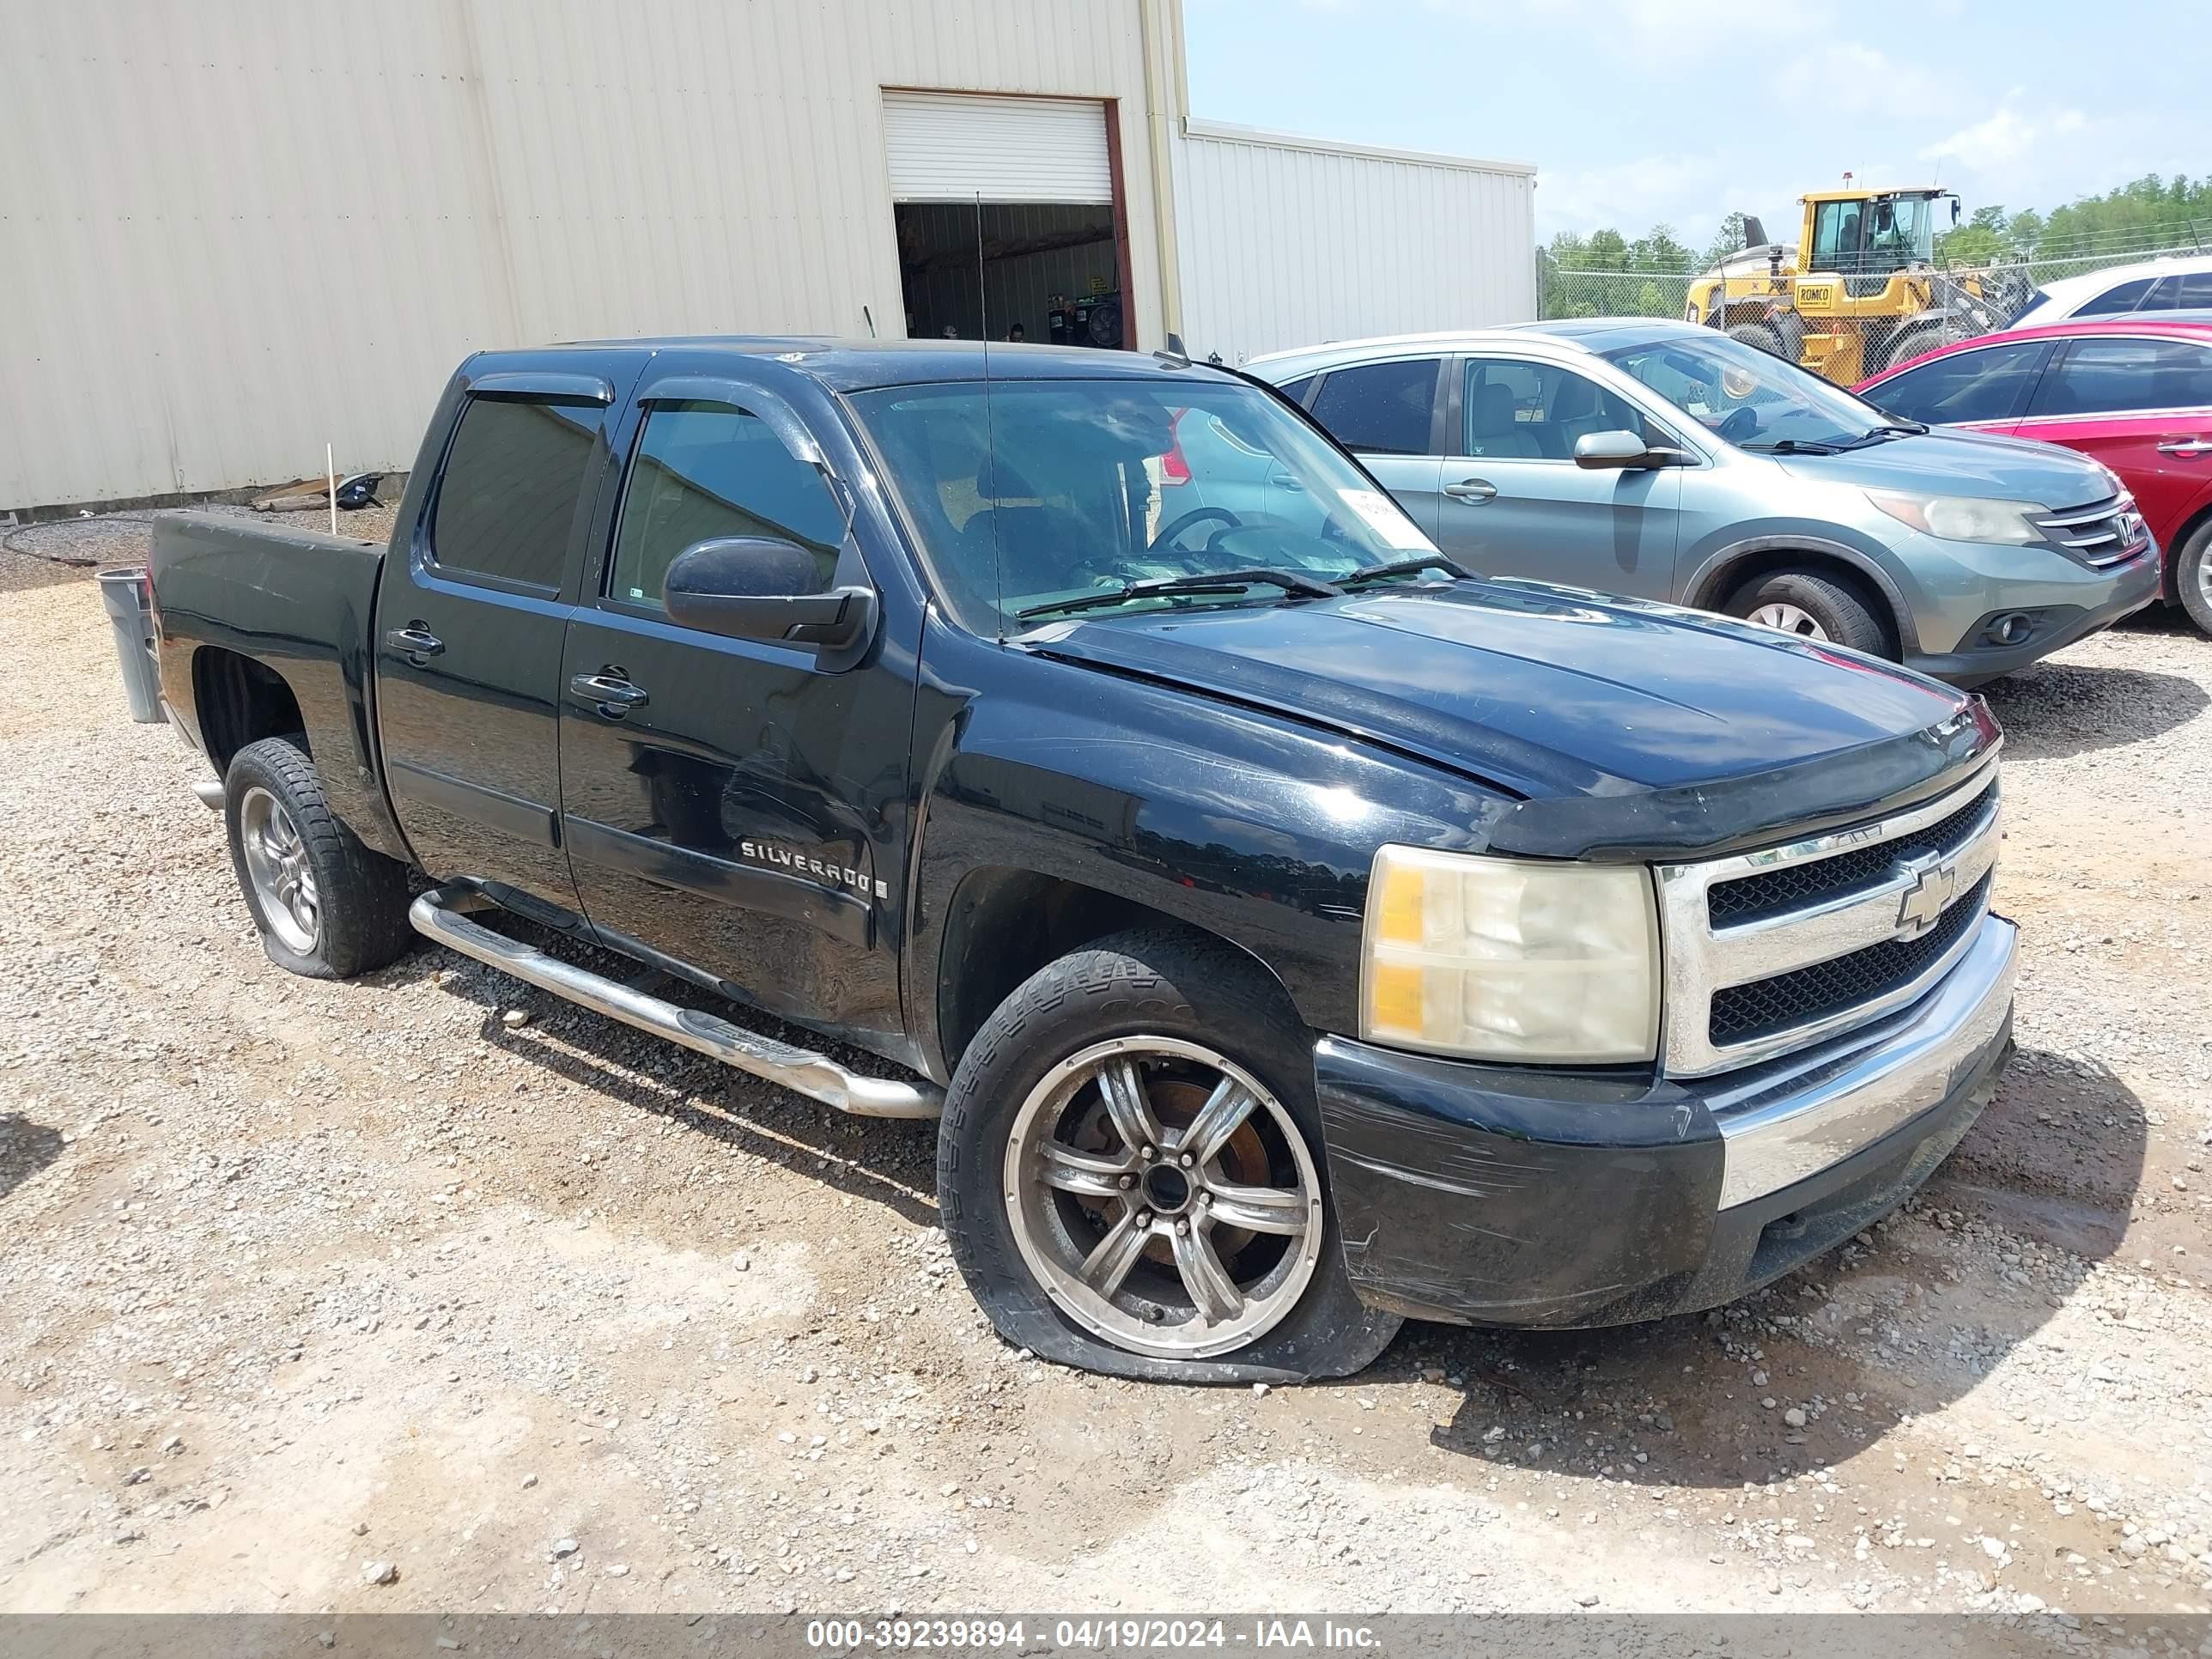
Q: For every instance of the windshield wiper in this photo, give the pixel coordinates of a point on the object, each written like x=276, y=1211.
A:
x=1210, y=582
x=1886, y=430
x=1408, y=566
x=1793, y=447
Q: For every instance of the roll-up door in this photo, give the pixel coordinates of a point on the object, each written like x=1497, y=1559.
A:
x=951, y=146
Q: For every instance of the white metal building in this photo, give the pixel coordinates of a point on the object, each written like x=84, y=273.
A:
x=1290, y=241
x=234, y=231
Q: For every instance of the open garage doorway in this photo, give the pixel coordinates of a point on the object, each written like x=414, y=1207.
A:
x=1009, y=219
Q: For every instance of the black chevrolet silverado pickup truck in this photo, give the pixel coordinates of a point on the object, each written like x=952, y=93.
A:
x=1290, y=933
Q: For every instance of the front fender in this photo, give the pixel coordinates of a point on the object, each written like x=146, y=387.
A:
x=1711, y=567
x=1253, y=828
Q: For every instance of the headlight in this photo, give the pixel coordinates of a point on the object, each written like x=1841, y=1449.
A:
x=1962, y=517
x=1511, y=959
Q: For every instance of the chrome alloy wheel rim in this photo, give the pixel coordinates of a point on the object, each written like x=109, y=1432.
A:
x=1166, y=1201
x=276, y=864
x=1789, y=619
x=2204, y=575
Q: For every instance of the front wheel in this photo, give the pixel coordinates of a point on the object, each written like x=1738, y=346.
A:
x=1131, y=1176
x=1812, y=605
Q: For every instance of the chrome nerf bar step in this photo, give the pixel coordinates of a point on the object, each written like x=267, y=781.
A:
x=442, y=914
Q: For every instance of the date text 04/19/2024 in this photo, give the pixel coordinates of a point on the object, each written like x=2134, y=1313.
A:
x=1093, y=1635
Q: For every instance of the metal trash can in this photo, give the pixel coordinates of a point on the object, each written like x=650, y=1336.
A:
x=124, y=591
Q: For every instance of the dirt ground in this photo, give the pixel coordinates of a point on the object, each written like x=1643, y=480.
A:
x=305, y=1284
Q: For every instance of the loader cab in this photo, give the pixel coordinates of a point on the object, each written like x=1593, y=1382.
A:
x=1862, y=235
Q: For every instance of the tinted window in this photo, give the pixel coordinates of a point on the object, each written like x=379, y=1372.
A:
x=508, y=494
x=1296, y=390
x=2165, y=294
x=1990, y=385
x=704, y=470
x=1836, y=226
x=2101, y=377
x=2126, y=297
x=1535, y=411
x=2196, y=291
x=1382, y=407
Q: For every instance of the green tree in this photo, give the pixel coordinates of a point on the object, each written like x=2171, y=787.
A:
x=2150, y=214
x=1658, y=250
x=1727, y=241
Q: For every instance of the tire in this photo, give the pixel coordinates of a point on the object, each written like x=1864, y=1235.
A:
x=1765, y=335
x=2193, y=576
x=283, y=840
x=1814, y=605
x=1908, y=343
x=1168, y=1005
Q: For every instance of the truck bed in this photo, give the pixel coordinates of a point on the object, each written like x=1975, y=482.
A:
x=241, y=602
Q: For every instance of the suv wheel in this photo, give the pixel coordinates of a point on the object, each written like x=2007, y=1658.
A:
x=1813, y=605
x=1131, y=1175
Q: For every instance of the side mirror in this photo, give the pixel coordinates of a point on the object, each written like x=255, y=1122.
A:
x=1619, y=451
x=762, y=587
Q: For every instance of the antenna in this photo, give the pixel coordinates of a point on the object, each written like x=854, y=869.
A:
x=990, y=430
x=868, y=317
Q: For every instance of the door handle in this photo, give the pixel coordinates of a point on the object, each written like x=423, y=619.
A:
x=612, y=695
x=416, y=641
x=2189, y=447
x=1473, y=491
x=1285, y=481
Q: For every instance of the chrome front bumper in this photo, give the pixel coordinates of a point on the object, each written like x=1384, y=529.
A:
x=1793, y=1118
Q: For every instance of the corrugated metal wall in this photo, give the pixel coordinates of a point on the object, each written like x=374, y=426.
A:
x=1371, y=241
x=232, y=230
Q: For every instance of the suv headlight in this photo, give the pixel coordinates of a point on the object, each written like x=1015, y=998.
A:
x=1511, y=959
x=1962, y=517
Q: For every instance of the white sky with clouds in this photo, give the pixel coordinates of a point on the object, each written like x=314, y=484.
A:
x=1640, y=111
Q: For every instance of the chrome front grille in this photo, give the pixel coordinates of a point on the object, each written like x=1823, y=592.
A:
x=2102, y=534
x=1768, y=952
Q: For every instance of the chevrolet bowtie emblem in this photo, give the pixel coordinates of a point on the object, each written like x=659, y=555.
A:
x=1934, y=884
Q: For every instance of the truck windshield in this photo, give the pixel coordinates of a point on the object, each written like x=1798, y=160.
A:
x=1748, y=397
x=1062, y=492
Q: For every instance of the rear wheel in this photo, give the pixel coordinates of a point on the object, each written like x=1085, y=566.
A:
x=2193, y=576
x=324, y=905
x=1131, y=1176
x=1813, y=605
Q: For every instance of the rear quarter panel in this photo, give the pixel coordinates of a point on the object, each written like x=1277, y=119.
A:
x=302, y=604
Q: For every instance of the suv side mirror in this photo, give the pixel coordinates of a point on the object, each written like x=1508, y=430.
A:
x=761, y=587
x=1621, y=451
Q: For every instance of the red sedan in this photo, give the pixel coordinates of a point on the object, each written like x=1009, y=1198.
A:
x=2134, y=392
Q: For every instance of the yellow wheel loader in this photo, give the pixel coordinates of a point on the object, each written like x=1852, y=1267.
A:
x=1859, y=291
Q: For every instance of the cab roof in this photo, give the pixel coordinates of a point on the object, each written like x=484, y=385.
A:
x=1594, y=334
x=861, y=365
x=1930, y=192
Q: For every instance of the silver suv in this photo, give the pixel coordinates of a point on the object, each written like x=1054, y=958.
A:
x=1667, y=461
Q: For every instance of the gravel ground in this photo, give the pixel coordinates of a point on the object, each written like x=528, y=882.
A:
x=347, y=1297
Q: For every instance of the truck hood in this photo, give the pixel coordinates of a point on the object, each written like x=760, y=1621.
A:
x=1952, y=463
x=1624, y=728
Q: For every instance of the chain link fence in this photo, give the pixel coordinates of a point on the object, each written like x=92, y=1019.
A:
x=1667, y=293
x=1955, y=303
